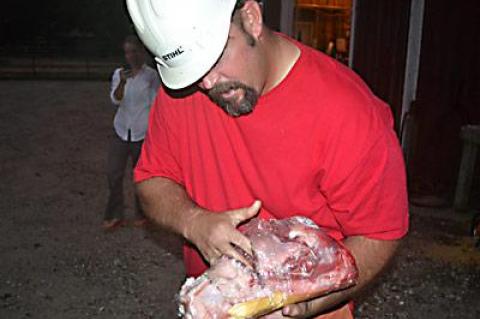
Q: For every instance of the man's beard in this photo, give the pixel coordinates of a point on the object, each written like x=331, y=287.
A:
x=232, y=106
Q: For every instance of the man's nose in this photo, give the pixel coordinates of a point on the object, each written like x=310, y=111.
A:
x=209, y=80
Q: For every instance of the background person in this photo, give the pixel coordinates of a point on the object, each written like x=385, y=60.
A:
x=133, y=90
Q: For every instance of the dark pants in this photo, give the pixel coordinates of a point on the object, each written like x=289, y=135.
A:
x=118, y=155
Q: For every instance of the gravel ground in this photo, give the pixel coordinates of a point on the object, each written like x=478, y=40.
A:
x=57, y=263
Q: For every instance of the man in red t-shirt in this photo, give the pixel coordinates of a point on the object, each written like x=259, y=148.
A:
x=268, y=121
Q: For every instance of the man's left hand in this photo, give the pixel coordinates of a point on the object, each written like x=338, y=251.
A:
x=316, y=308
x=307, y=309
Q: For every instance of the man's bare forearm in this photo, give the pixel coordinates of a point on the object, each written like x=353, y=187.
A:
x=371, y=257
x=213, y=234
x=167, y=204
x=120, y=90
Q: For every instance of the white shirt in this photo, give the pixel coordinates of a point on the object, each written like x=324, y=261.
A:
x=132, y=113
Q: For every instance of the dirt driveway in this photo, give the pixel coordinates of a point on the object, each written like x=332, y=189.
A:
x=55, y=262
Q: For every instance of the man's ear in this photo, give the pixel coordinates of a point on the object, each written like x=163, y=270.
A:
x=252, y=20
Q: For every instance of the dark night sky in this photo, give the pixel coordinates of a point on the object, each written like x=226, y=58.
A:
x=92, y=26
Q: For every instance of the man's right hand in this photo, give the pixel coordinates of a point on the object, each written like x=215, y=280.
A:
x=119, y=90
x=216, y=234
x=125, y=74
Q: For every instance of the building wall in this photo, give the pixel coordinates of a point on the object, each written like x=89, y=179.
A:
x=379, y=56
x=448, y=94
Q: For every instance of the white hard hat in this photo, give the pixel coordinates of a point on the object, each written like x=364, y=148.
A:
x=186, y=36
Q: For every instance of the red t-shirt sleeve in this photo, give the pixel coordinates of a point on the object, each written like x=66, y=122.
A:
x=364, y=180
x=372, y=200
x=160, y=148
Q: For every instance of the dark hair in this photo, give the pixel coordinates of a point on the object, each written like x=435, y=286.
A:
x=239, y=4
